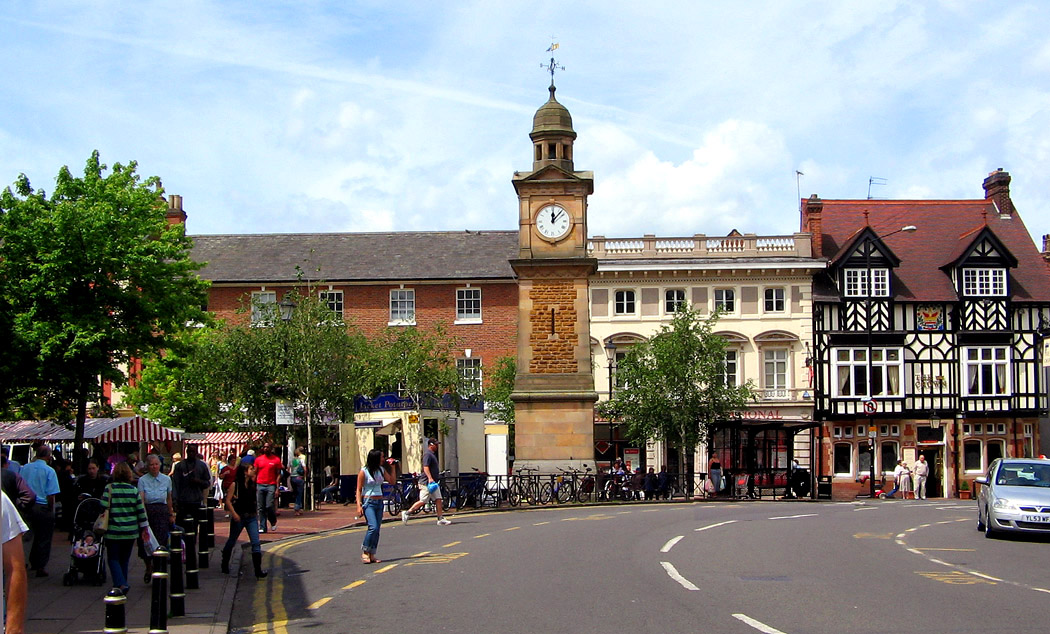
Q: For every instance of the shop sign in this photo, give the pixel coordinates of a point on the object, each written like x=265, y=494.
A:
x=759, y=414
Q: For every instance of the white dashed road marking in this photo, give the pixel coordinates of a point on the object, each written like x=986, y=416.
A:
x=704, y=528
x=670, y=543
x=758, y=625
x=673, y=573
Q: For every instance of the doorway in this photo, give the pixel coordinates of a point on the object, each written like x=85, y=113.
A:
x=935, y=481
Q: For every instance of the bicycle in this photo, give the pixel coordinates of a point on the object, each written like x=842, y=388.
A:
x=567, y=490
x=471, y=491
x=526, y=486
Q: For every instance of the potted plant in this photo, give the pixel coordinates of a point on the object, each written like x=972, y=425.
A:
x=964, y=490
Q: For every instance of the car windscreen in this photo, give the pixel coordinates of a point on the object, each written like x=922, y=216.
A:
x=1023, y=474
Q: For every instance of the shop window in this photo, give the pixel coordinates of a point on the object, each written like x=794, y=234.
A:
x=843, y=459
x=972, y=456
x=888, y=456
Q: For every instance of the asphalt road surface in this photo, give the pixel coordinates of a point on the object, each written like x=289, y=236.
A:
x=791, y=567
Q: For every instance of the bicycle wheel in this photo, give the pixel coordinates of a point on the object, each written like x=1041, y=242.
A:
x=394, y=502
x=564, y=492
x=546, y=493
x=514, y=494
x=582, y=495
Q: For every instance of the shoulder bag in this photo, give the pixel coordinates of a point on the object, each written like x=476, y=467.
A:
x=102, y=523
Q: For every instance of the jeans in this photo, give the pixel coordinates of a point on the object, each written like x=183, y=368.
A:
x=248, y=523
x=264, y=497
x=373, y=510
x=298, y=487
x=118, y=554
x=42, y=522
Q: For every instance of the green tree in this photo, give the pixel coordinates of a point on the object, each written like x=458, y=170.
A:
x=498, y=405
x=93, y=277
x=415, y=363
x=672, y=387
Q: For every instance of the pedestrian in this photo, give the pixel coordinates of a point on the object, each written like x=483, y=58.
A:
x=241, y=502
x=370, y=500
x=190, y=480
x=92, y=483
x=298, y=474
x=268, y=468
x=16, y=488
x=429, y=487
x=176, y=458
x=127, y=521
x=650, y=484
x=922, y=472
x=13, y=581
x=904, y=481
x=156, y=489
x=714, y=485
x=137, y=466
x=43, y=480
x=663, y=483
x=331, y=490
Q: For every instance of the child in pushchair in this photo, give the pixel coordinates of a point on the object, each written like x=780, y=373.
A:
x=87, y=556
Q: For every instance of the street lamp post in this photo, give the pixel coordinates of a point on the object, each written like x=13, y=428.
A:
x=869, y=290
x=610, y=355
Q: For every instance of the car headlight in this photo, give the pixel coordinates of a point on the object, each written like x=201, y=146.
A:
x=1004, y=505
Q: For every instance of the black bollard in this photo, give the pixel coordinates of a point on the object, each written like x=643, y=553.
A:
x=116, y=623
x=177, y=586
x=192, y=559
x=203, y=548
x=158, y=615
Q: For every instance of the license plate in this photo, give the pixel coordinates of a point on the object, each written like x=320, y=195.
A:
x=1035, y=518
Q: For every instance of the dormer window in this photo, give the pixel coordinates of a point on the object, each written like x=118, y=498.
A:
x=984, y=282
x=856, y=282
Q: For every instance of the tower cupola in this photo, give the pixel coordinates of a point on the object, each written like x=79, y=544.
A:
x=552, y=135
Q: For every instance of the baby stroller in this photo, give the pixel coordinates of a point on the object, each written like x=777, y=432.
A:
x=87, y=556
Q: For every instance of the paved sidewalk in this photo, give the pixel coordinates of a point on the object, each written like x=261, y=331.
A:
x=57, y=609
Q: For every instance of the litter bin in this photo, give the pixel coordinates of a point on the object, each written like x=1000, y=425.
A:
x=823, y=487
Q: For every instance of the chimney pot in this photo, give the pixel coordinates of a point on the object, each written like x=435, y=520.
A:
x=997, y=190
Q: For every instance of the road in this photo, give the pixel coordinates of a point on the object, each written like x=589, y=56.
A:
x=791, y=567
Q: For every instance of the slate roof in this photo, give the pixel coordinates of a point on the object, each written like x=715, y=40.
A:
x=357, y=257
x=944, y=229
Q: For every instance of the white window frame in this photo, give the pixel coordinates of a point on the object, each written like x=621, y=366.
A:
x=847, y=431
x=470, y=373
x=896, y=453
x=775, y=296
x=881, y=363
x=780, y=389
x=980, y=455
x=725, y=299
x=836, y=431
x=856, y=282
x=989, y=367
x=984, y=282
x=623, y=299
x=402, y=307
x=732, y=367
x=334, y=300
x=466, y=300
x=674, y=300
x=264, y=308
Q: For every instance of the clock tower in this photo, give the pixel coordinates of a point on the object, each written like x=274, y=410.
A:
x=554, y=392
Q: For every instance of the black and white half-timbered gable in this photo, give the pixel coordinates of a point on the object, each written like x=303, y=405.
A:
x=927, y=335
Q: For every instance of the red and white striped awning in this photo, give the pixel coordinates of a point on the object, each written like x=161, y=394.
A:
x=127, y=429
x=222, y=443
x=33, y=430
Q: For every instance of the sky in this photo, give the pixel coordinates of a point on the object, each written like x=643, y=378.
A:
x=695, y=117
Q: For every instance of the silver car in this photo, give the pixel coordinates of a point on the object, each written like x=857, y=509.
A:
x=1015, y=496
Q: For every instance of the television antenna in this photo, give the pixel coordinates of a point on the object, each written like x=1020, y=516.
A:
x=874, y=180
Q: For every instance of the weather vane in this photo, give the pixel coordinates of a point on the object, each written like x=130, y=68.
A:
x=552, y=65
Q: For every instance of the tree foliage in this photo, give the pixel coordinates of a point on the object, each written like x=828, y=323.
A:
x=498, y=405
x=672, y=386
x=415, y=363
x=91, y=277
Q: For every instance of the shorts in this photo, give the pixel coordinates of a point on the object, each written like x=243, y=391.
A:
x=426, y=496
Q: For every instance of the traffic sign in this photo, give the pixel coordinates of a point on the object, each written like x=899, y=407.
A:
x=870, y=406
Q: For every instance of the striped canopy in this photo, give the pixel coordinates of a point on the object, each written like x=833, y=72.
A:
x=222, y=443
x=97, y=430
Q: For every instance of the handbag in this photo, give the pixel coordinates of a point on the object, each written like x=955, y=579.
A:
x=102, y=523
x=153, y=544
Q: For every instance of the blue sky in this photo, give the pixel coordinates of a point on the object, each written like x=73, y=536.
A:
x=377, y=116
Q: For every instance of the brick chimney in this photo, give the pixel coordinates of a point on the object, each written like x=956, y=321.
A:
x=997, y=190
x=812, y=210
x=175, y=215
x=1046, y=249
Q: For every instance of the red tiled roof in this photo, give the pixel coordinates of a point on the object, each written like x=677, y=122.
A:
x=944, y=229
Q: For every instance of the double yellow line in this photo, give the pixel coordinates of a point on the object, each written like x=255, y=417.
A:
x=268, y=600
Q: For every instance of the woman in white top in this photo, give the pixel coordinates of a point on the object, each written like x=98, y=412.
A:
x=370, y=501
x=902, y=477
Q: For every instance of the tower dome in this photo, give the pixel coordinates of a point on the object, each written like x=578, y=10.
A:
x=552, y=135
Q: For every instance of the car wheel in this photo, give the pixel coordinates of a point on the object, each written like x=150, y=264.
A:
x=988, y=532
x=980, y=523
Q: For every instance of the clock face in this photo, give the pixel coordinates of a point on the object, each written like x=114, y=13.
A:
x=553, y=221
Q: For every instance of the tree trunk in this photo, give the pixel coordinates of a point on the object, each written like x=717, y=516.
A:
x=308, y=473
x=79, y=456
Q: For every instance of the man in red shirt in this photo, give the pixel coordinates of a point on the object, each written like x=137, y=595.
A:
x=267, y=473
